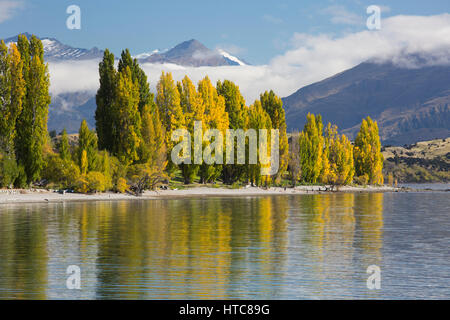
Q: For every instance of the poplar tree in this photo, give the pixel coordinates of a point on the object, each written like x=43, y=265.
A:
x=105, y=122
x=258, y=118
x=138, y=75
x=367, y=153
x=168, y=102
x=12, y=91
x=193, y=110
x=153, y=146
x=273, y=105
x=64, y=147
x=340, y=155
x=311, y=149
x=170, y=112
x=215, y=118
x=237, y=114
x=294, y=167
x=126, y=109
x=87, y=142
x=84, y=163
x=32, y=122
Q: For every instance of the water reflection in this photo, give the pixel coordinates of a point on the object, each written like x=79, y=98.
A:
x=313, y=246
x=23, y=254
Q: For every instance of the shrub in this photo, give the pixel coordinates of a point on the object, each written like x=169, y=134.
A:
x=96, y=181
x=121, y=186
x=21, y=180
x=81, y=185
x=8, y=171
x=63, y=173
x=362, y=180
x=143, y=177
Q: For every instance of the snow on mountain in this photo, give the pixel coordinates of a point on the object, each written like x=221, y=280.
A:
x=193, y=53
x=145, y=55
x=57, y=51
x=230, y=57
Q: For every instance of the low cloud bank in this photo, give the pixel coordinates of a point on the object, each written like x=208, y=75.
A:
x=408, y=41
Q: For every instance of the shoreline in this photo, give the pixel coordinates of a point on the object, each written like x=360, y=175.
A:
x=44, y=196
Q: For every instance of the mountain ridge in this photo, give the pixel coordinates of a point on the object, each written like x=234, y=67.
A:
x=190, y=53
x=193, y=53
x=410, y=104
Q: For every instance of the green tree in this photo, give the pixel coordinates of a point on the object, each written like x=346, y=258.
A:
x=138, y=75
x=258, y=119
x=340, y=157
x=193, y=110
x=105, y=123
x=294, y=167
x=128, y=118
x=311, y=149
x=64, y=147
x=215, y=118
x=12, y=91
x=84, y=162
x=32, y=122
x=153, y=147
x=170, y=112
x=87, y=141
x=273, y=105
x=104, y=167
x=237, y=113
x=367, y=153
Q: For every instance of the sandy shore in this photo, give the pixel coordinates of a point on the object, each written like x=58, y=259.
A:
x=43, y=196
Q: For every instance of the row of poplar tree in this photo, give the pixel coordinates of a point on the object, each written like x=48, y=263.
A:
x=135, y=126
x=24, y=101
x=131, y=145
x=319, y=155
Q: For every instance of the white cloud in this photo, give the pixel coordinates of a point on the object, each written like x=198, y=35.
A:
x=8, y=8
x=340, y=15
x=231, y=48
x=73, y=76
x=311, y=59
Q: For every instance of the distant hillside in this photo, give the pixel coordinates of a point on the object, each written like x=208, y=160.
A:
x=69, y=109
x=409, y=104
x=426, y=161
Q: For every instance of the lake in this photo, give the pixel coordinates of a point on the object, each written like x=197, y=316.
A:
x=262, y=247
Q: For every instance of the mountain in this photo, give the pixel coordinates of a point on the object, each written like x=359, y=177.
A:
x=410, y=104
x=67, y=110
x=191, y=53
x=54, y=50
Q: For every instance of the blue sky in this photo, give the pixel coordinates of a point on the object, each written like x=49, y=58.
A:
x=254, y=30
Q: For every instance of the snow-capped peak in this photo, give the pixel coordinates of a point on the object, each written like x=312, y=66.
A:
x=49, y=45
x=230, y=57
x=146, y=54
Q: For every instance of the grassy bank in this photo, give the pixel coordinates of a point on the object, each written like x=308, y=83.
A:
x=422, y=162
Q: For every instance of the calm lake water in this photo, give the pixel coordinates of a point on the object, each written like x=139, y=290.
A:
x=275, y=247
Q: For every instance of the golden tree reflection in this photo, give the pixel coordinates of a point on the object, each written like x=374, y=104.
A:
x=23, y=253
